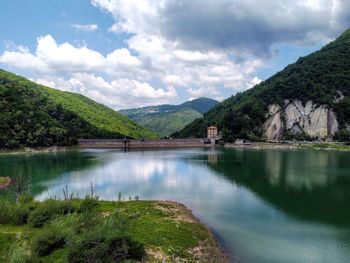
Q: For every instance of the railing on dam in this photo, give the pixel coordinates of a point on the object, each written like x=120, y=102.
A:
x=130, y=143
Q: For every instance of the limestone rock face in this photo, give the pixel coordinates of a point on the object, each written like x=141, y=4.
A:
x=333, y=125
x=294, y=114
x=273, y=127
x=315, y=120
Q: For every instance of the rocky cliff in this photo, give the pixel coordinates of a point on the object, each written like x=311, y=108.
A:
x=314, y=120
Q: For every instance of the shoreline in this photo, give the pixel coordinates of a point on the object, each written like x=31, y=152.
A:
x=185, y=238
x=252, y=145
x=216, y=249
x=35, y=150
x=336, y=146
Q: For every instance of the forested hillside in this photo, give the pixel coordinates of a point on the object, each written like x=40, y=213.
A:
x=167, y=119
x=35, y=115
x=322, y=79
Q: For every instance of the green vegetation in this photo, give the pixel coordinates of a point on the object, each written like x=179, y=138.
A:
x=167, y=119
x=35, y=115
x=166, y=124
x=4, y=180
x=90, y=230
x=323, y=77
x=327, y=146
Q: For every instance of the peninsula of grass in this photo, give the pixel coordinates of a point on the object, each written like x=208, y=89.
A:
x=4, y=181
x=90, y=230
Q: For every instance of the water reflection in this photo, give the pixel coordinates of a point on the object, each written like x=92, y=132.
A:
x=43, y=167
x=313, y=185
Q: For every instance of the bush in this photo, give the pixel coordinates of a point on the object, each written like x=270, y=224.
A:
x=48, y=240
x=20, y=214
x=48, y=210
x=107, y=241
x=89, y=204
x=302, y=136
x=11, y=144
x=12, y=213
x=5, y=211
x=26, y=198
x=342, y=136
x=18, y=254
x=103, y=247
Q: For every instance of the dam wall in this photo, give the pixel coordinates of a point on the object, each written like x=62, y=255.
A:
x=130, y=143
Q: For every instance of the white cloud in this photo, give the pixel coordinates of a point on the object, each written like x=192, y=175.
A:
x=67, y=57
x=88, y=27
x=115, y=28
x=201, y=43
x=123, y=56
x=203, y=92
x=197, y=56
x=119, y=93
x=253, y=26
x=27, y=61
x=80, y=69
x=201, y=46
x=45, y=82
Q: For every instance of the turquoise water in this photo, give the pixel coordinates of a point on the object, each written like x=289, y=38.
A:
x=264, y=205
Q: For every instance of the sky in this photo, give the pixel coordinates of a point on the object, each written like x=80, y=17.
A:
x=132, y=53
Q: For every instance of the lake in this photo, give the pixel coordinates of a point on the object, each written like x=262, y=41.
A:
x=264, y=205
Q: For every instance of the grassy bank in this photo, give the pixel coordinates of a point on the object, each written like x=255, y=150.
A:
x=103, y=231
x=4, y=181
x=30, y=150
x=327, y=146
x=291, y=145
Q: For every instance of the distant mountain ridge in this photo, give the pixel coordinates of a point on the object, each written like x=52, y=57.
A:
x=167, y=119
x=308, y=100
x=35, y=115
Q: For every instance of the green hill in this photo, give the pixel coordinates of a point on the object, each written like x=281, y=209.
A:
x=307, y=100
x=35, y=115
x=167, y=119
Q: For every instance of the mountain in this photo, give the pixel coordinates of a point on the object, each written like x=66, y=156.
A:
x=307, y=100
x=167, y=119
x=35, y=115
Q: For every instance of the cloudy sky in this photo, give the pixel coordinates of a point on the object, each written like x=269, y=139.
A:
x=130, y=53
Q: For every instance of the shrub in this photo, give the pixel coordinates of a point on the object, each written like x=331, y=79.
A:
x=13, y=213
x=26, y=198
x=11, y=144
x=5, y=211
x=48, y=240
x=107, y=241
x=342, y=135
x=89, y=204
x=102, y=247
x=18, y=254
x=302, y=136
x=20, y=214
x=48, y=210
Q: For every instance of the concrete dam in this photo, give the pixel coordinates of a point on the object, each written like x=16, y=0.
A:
x=132, y=143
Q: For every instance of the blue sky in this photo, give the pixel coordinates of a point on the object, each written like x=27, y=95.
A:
x=24, y=21
x=126, y=53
